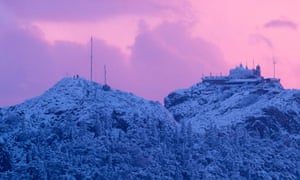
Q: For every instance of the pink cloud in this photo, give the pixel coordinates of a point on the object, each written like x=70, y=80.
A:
x=168, y=58
x=70, y=10
x=29, y=65
x=23, y=66
x=259, y=38
x=162, y=59
x=278, y=23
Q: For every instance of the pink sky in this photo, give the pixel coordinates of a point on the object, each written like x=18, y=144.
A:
x=150, y=47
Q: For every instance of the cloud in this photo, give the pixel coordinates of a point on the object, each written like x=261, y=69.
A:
x=162, y=59
x=70, y=10
x=168, y=58
x=259, y=38
x=278, y=23
x=23, y=64
x=29, y=65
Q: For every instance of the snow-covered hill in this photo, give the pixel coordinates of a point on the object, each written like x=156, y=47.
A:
x=83, y=130
x=246, y=130
x=227, y=104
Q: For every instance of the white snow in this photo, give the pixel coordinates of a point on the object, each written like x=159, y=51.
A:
x=230, y=103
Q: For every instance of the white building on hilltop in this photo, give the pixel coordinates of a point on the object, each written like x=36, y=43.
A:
x=241, y=72
x=239, y=75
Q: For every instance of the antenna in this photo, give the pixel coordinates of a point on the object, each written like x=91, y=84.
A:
x=91, y=75
x=253, y=63
x=274, y=63
x=105, y=80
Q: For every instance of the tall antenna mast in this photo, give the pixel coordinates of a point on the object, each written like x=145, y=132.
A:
x=91, y=75
x=105, y=80
x=274, y=63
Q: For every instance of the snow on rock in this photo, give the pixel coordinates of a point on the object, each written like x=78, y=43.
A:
x=227, y=104
x=247, y=129
x=82, y=98
x=81, y=129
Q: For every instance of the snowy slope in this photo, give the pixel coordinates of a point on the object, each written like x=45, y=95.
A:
x=81, y=128
x=83, y=98
x=228, y=104
x=241, y=131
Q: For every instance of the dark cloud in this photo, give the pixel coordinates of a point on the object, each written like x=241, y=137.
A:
x=278, y=23
x=259, y=38
x=68, y=10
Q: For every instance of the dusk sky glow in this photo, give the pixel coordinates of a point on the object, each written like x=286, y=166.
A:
x=150, y=47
